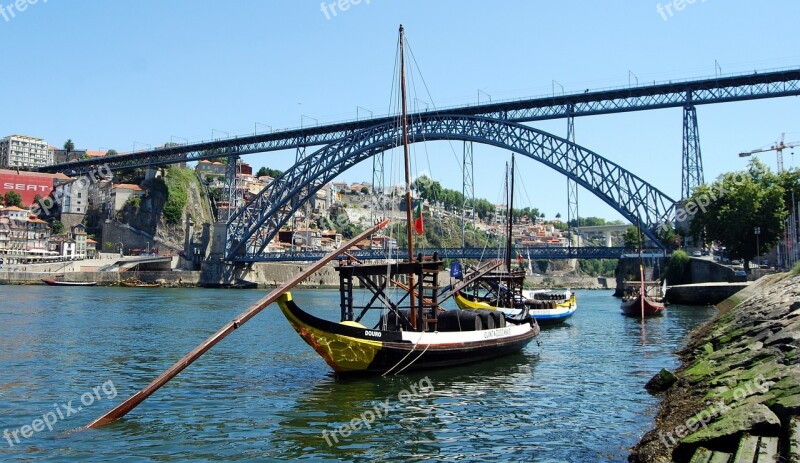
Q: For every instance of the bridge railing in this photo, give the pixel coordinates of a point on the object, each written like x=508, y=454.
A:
x=535, y=253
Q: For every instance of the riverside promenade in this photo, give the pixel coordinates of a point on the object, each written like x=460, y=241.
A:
x=736, y=397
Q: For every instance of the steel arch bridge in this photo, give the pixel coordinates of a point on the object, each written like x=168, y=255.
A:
x=252, y=227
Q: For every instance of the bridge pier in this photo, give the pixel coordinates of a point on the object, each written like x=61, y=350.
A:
x=214, y=271
x=692, y=157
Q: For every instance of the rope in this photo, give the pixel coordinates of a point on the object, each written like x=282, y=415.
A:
x=418, y=357
x=406, y=356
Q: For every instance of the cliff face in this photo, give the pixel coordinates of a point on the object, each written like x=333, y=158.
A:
x=161, y=216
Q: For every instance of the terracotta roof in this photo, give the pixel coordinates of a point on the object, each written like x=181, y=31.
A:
x=91, y=241
x=96, y=154
x=12, y=208
x=128, y=186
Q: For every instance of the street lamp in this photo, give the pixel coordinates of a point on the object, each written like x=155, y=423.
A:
x=757, y=232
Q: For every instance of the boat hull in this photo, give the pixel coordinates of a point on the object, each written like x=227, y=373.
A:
x=350, y=348
x=544, y=316
x=633, y=307
x=69, y=283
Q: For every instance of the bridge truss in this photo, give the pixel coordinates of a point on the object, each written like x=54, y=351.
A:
x=253, y=226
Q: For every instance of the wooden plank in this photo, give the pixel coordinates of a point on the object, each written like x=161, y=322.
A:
x=748, y=447
x=794, y=440
x=122, y=409
x=768, y=450
x=702, y=455
x=720, y=457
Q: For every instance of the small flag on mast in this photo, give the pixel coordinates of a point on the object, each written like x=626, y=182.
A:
x=419, y=227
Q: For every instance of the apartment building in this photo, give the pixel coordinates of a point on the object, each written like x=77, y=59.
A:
x=20, y=151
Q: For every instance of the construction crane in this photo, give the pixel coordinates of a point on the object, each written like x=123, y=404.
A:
x=778, y=147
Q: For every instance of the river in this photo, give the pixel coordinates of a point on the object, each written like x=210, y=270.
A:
x=67, y=355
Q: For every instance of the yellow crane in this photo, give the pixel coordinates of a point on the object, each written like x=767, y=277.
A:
x=778, y=147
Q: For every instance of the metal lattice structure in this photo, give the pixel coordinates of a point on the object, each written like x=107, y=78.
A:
x=572, y=188
x=467, y=190
x=589, y=252
x=253, y=226
x=637, y=98
x=692, y=157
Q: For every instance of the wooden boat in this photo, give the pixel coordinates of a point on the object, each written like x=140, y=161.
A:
x=69, y=283
x=136, y=283
x=637, y=305
x=503, y=290
x=638, y=302
x=411, y=331
x=551, y=307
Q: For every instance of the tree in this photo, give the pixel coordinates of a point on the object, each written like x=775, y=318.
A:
x=558, y=215
x=69, y=147
x=12, y=198
x=111, y=152
x=364, y=190
x=678, y=268
x=56, y=227
x=267, y=172
x=730, y=210
x=631, y=238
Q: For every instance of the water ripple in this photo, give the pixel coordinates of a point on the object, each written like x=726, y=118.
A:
x=264, y=395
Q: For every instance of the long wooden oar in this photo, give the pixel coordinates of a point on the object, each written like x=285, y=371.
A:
x=122, y=409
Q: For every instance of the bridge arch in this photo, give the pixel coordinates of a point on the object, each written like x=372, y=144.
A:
x=252, y=226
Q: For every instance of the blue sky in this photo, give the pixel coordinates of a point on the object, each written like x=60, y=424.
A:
x=109, y=74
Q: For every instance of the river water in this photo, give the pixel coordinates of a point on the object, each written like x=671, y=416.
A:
x=67, y=355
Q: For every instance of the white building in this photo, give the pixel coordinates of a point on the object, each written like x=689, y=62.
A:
x=74, y=197
x=20, y=151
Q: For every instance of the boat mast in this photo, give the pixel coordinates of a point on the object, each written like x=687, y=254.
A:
x=510, y=218
x=641, y=264
x=407, y=161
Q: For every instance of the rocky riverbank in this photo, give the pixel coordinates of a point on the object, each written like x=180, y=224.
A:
x=740, y=375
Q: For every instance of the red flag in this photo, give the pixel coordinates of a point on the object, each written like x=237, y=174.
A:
x=419, y=227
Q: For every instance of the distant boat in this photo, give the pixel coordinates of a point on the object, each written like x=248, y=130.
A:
x=502, y=290
x=135, y=283
x=69, y=283
x=638, y=302
x=549, y=306
x=636, y=305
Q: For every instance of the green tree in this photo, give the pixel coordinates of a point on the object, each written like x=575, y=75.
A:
x=364, y=190
x=266, y=171
x=12, y=198
x=631, y=238
x=678, y=268
x=111, y=152
x=730, y=210
x=56, y=227
x=69, y=147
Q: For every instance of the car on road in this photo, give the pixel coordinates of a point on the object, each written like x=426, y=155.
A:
x=697, y=254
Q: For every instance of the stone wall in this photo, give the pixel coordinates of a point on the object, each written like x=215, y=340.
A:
x=740, y=375
x=102, y=278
